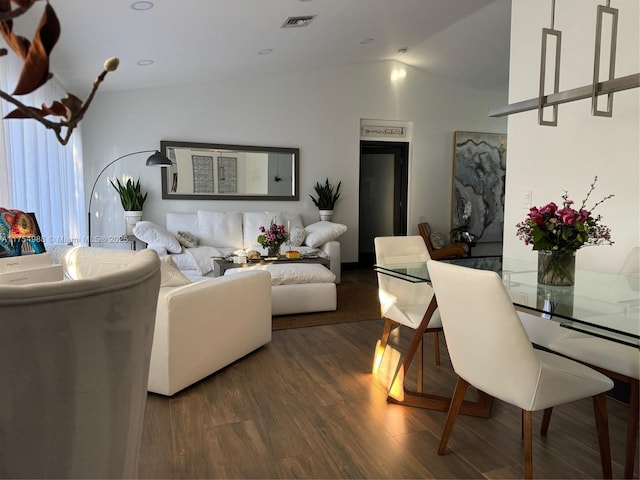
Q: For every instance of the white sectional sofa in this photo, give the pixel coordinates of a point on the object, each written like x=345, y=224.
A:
x=200, y=327
x=192, y=239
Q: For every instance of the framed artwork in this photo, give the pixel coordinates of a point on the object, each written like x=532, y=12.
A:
x=479, y=169
x=227, y=175
x=202, y=173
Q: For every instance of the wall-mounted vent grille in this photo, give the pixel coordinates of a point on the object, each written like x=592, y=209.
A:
x=297, y=22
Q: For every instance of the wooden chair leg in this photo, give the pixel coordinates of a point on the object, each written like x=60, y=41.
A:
x=386, y=333
x=546, y=419
x=602, y=425
x=527, y=444
x=452, y=414
x=436, y=347
x=632, y=429
x=420, y=367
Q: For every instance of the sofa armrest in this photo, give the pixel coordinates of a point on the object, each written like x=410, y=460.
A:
x=332, y=249
x=206, y=325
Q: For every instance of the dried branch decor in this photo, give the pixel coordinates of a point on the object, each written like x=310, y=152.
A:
x=35, y=70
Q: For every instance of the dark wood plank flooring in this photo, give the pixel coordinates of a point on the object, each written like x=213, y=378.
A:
x=306, y=406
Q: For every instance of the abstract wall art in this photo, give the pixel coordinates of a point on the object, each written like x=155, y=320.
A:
x=479, y=168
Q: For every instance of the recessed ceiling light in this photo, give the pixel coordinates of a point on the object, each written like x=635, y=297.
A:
x=366, y=40
x=144, y=63
x=266, y=51
x=142, y=5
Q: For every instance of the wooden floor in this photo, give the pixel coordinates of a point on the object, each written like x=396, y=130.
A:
x=306, y=406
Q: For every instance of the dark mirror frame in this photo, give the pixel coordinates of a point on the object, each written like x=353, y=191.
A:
x=295, y=152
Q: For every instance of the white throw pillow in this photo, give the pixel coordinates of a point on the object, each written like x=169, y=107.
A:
x=156, y=236
x=202, y=257
x=322, y=232
x=297, y=236
x=185, y=261
x=187, y=239
x=436, y=240
x=220, y=229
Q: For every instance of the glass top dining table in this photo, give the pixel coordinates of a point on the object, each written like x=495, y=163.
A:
x=601, y=304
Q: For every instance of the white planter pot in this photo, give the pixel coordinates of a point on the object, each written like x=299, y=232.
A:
x=326, y=215
x=130, y=220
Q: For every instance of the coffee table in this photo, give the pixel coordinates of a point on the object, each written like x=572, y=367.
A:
x=220, y=265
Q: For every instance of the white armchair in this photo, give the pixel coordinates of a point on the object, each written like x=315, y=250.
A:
x=200, y=326
x=74, y=362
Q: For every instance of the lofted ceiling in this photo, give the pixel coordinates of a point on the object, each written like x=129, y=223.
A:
x=193, y=41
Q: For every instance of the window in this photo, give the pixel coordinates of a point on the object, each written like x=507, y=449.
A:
x=37, y=173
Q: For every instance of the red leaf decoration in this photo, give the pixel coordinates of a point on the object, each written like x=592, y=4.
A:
x=35, y=71
x=72, y=103
x=23, y=3
x=18, y=44
x=20, y=114
x=56, y=108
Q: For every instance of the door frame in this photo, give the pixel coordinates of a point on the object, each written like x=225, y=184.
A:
x=400, y=151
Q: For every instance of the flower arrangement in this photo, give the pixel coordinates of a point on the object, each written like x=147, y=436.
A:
x=271, y=238
x=564, y=229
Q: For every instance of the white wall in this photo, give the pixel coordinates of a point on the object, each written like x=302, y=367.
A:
x=549, y=160
x=317, y=111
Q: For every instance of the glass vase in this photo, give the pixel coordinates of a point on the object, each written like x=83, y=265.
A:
x=273, y=251
x=556, y=268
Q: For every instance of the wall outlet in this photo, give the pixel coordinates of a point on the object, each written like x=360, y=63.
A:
x=526, y=199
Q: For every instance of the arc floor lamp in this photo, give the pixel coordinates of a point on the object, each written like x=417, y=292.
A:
x=157, y=159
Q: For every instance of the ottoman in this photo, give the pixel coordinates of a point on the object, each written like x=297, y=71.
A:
x=298, y=287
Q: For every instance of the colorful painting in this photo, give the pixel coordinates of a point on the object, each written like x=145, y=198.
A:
x=19, y=233
x=479, y=184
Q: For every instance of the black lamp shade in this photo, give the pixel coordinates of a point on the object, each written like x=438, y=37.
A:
x=158, y=160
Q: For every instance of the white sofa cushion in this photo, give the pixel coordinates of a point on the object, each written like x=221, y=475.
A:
x=292, y=219
x=322, y=232
x=157, y=236
x=183, y=222
x=252, y=221
x=220, y=229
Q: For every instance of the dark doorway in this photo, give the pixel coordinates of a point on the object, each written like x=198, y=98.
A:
x=384, y=168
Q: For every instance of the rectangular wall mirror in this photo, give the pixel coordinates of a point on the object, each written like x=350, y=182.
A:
x=208, y=171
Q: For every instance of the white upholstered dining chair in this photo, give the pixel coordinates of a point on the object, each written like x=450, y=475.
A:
x=403, y=302
x=489, y=349
x=74, y=364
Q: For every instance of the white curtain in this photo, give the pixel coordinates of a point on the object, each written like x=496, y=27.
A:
x=38, y=173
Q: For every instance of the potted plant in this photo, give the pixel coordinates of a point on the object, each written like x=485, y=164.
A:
x=327, y=198
x=132, y=200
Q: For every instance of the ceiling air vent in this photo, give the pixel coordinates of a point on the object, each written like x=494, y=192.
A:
x=296, y=22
